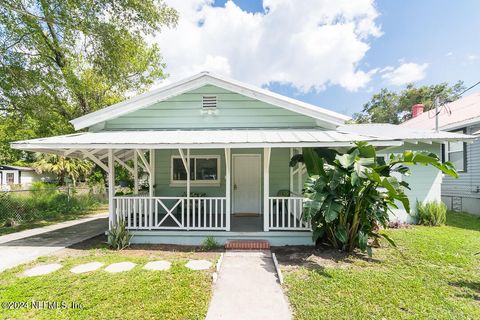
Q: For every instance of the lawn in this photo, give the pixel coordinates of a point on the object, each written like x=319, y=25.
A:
x=434, y=273
x=178, y=293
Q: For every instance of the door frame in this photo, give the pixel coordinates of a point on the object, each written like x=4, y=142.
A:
x=232, y=183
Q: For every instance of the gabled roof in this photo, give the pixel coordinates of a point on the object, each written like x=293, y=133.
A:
x=17, y=168
x=330, y=118
x=460, y=113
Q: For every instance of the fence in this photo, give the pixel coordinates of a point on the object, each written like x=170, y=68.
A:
x=29, y=205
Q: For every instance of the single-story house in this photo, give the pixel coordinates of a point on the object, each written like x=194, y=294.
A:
x=217, y=153
x=460, y=116
x=18, y=176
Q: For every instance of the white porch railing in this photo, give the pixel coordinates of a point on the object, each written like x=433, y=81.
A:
x=286, y=213
x=166, y=213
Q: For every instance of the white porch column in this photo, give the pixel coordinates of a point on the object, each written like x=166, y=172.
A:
x=111, y=190
x=151, y=182
x=188, y=189
x=266, y=187
x=227, y=187
x=135, y=172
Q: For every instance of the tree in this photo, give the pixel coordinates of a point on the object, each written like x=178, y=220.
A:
x=392, y=107
x=60, y=59
x=62, y=167
x=347, y=196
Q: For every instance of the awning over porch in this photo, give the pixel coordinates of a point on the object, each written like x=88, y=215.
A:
x=73, y=144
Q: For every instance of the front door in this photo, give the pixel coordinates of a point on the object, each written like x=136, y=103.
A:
x=246, y=183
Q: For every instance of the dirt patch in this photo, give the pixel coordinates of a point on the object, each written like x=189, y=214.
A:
x=166, y=251
x=291, y=257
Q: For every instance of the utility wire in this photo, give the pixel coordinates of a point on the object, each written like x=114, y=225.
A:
x=445, y=103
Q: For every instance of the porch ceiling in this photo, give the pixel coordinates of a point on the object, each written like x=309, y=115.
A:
x=100, y=142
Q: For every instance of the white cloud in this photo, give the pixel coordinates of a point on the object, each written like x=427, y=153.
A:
x=473, y=57
x=449, y=54
x=307, y=44
x=405, y=73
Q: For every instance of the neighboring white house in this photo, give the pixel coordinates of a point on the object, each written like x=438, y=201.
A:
x=460, y=116
x=19, y=176
x=217, y=154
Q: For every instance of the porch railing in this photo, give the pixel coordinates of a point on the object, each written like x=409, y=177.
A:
x=165, y=213
x=286, y=213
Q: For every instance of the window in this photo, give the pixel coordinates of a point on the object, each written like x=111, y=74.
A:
x=203, y=170
x=10, y=178
x=456, y=153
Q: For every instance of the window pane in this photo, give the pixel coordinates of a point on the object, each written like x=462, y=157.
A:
x=10, y=178
x=455, y=146
x=179, y=172
x=207, y=169
x=457, y=159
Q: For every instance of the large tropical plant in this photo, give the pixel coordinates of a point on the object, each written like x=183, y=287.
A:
x=349, y=196
x=62, y=167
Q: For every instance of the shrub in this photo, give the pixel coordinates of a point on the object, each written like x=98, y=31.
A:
x=432, y=213
x=349, y=196
x=118, y=237
x=210, y=244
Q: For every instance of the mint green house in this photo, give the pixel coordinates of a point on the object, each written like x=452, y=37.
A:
x=217, y=154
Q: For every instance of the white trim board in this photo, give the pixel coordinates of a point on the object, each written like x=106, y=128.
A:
x=325, y=117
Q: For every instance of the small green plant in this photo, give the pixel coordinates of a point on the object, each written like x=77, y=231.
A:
x=210, y=244
x=118, y=237
x=432, y=213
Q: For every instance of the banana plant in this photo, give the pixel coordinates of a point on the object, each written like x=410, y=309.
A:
x=348, y=196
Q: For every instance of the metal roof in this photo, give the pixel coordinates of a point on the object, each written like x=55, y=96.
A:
x=457, y=114
x=198, y=139
x=389, y=131
x=17, y=168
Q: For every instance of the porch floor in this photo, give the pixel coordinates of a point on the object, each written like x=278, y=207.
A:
x=246, y=224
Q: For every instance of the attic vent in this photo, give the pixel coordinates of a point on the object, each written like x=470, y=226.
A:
x=209, y=102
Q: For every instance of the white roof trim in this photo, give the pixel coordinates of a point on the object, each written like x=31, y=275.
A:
x=205, y=78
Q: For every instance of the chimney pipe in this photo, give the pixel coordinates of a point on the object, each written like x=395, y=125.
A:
x=417, y=109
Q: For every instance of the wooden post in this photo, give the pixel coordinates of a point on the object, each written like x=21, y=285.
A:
x=227, y=188
x=266, y=187
x=111, y=190
x=135, y=173
x=151, y=183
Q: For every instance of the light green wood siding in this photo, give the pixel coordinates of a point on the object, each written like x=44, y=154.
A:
x=185, y=111
x=279, y=171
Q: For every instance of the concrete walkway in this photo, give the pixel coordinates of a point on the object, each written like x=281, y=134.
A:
x=248, y=288
x=25, y=246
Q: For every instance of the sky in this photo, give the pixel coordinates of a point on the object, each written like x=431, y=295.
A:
x=331, y=53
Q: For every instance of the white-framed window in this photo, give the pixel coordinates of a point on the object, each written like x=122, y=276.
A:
x=204, y=170
x=10, y=178
x=456, y=153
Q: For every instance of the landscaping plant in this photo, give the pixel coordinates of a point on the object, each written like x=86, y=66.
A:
x=118, y=236
x=349, y=196
x=432, y=213
x=210, y=243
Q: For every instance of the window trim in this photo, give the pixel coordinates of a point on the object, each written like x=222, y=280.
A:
x=206, y=183
x=464, y=150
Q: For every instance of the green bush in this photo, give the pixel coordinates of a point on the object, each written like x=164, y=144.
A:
x=210, y=244
x=118, y=237
x=432, y=213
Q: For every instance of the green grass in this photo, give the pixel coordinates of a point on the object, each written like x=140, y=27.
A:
x=434, y=274
x=178, y=293
x=38, y=223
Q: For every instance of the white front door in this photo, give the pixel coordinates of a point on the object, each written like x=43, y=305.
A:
x=246, y=183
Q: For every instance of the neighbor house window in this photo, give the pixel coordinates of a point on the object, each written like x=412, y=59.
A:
x=10, y=177
x=203, y=170
x=456, y=153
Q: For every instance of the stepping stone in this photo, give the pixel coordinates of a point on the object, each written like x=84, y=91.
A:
x=198, y=264
x=86, y=267
x=41, y=270
x=158, y=265
x=120, y=267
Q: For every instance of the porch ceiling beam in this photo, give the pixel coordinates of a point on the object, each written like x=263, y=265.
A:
x=123, y=164
x=144, y=160
x=92, y=157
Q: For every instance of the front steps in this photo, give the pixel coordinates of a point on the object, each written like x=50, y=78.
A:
x=247, y=245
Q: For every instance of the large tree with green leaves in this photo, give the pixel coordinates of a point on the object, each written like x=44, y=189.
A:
x=60, y=59
x=394, y=107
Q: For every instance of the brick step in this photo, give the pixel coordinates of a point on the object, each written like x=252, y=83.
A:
x=247, y=245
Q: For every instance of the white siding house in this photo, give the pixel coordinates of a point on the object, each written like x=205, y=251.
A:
x=18, y=176
x=217, y=154
x=461, y=116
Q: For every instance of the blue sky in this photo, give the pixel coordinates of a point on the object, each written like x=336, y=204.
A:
x=438, y=39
